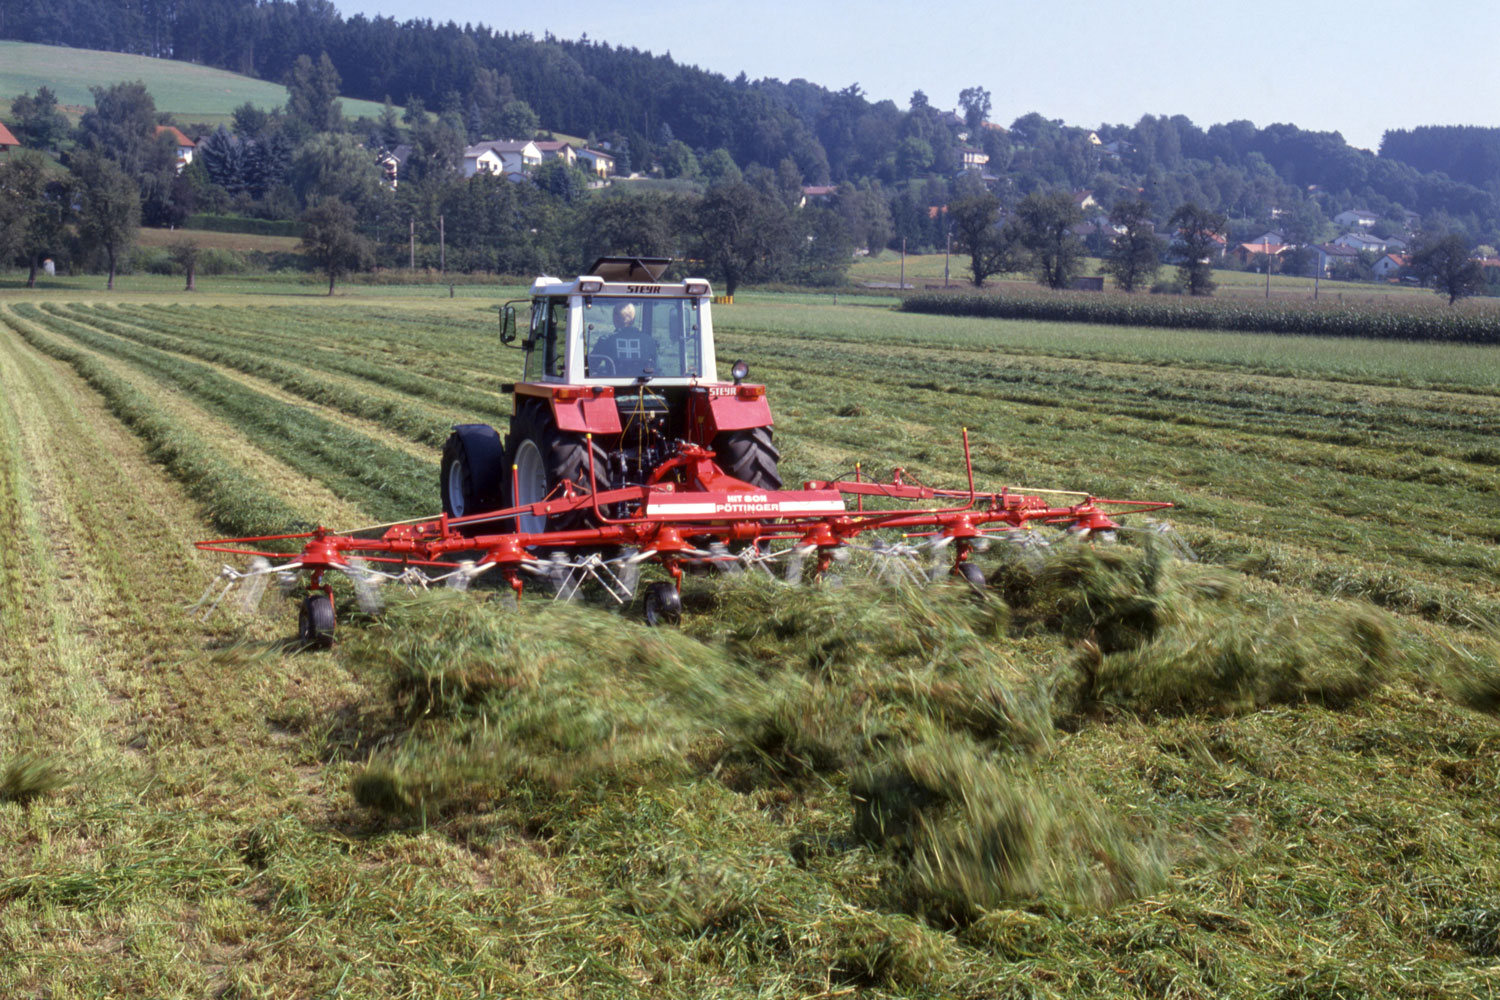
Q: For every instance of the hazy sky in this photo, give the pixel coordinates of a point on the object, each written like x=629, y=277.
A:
x=1354, y=66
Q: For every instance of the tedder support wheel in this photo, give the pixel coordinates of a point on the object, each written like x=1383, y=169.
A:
x=543, y=457
x=663, y=604
x=315, y=621
x=972, y=575
x=749, y=456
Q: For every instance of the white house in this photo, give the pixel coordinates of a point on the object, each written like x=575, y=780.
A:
x=1390, y=265
x=1361, y=241
x=973, y=159
x=1331, y=255
x=1357, y=218
x=185, y=146
x=596, y=163
x=507, y=156
x=557, y=150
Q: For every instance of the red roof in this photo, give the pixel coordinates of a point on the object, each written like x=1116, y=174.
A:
x=176, y=134
x=6, y=139
x=818, y=190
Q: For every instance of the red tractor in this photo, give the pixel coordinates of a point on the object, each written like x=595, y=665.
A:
x=626, y=450
x=620, y=388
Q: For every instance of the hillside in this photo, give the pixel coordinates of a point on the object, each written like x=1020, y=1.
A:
x=190, y=92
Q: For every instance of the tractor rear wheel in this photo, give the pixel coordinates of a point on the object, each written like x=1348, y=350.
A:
x=749, y=455
x=542, y=457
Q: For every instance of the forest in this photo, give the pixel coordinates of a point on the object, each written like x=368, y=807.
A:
x=895, y=167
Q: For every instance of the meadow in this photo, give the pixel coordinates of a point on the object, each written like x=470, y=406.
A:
x=190, y=92
x=1270, y=772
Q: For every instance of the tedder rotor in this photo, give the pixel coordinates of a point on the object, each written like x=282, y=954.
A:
x=625, y=450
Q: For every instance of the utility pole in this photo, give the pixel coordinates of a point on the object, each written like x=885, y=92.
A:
x=1268, y=269
x=947, y=249
x=903, y=264
x=442, y=248
x=411, y=237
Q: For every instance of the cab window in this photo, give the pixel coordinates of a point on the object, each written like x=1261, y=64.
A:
x=549, y=339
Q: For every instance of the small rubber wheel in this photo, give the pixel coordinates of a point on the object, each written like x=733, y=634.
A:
x=663, y=605
x=315, y=621
x=973, y=576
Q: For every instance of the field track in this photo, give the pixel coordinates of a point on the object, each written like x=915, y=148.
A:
x=603, y=826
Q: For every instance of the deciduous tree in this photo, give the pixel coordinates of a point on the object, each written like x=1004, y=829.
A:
x=743, y=234
x=330, y=240
x=1197, y=242
x=109, y=208
x=1045, y=222
x=35, y=209
x=1134, y=255
x=978, y=233
x=1444, y=262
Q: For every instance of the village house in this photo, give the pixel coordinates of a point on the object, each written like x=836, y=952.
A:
x=390, y=162
x=599, y=164
x=1246, y=252
x=1356, y=218
x=7, y=141
x=1361, y=242
x=816, y=192
x=557, y=150
x=971, y=158
x=1390, y=266
x=1330, y=255
x=185, y=146
x=505, y=156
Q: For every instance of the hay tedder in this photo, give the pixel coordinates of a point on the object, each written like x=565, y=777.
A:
x=624, y=451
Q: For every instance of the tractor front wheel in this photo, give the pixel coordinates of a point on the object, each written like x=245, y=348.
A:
x=749, y=456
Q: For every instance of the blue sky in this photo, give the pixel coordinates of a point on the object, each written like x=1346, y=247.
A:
x=1354, y=66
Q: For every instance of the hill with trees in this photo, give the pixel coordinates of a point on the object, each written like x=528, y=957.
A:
x=885, y=174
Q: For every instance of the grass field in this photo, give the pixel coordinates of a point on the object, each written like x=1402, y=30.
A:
x=190, y=92
x=923, y=270
x=1269, y=774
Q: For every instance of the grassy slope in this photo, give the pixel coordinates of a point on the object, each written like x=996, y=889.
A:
x=193, y=93
x=596, y=810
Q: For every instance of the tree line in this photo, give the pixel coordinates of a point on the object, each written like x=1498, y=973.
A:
x=652, y=109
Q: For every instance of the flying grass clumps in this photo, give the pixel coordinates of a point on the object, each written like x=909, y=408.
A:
x=1157, y=635
x=974, y=834
x=28, y=776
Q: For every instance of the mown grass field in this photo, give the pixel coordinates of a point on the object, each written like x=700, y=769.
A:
x=191, y=92
x=923, y=270
x=1269, y=774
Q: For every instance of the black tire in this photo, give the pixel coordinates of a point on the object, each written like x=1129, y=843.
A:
x=663, y=605
x=973, y=576
x=750, y=456
x=472, y=471
x=543, y=457
x=315, y=622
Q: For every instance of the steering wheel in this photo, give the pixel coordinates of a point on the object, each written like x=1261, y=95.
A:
x=601, y=365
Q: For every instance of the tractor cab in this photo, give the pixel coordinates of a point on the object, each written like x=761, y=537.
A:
x=619, y=325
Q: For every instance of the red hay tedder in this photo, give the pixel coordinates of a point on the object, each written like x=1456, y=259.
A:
x=624, y=449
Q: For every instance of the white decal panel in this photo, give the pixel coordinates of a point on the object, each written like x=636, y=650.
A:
x=755, y=505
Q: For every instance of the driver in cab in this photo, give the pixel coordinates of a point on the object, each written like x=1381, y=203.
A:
x=627, y=352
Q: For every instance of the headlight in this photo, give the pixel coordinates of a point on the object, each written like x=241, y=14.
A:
x=739, y=371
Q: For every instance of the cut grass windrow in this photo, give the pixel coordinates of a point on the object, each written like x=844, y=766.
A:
x=391, y=485
x=235, y=503
x=403, y=416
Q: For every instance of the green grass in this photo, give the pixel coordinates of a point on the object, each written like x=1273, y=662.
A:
x=1122, y=775
x=190, y=92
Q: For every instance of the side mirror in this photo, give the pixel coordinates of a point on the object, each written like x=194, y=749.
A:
x=508, y=324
